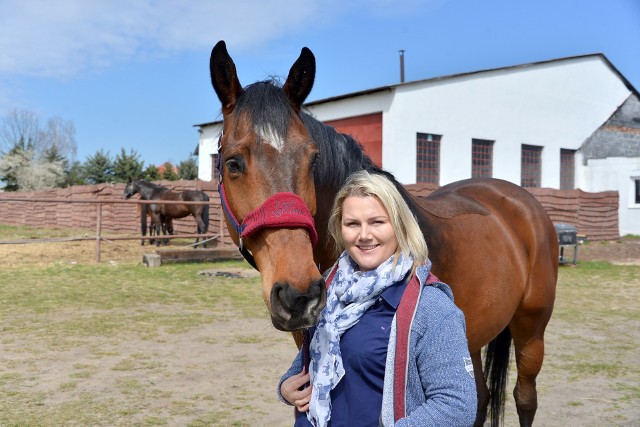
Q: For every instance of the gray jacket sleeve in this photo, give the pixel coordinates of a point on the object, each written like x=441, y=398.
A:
x=296, y=368
x=444, y=394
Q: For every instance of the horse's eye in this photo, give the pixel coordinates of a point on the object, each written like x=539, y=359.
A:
x=315, y=160
x=235, y=165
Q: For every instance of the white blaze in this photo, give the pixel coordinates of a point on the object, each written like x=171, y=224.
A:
x=269, y=135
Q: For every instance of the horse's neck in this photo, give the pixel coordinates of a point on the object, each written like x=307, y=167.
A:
x=147, y=191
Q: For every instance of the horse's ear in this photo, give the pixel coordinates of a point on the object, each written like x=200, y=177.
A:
x=224, y=77
x=300, y=80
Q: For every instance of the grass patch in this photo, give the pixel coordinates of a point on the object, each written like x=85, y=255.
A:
x=70, y=328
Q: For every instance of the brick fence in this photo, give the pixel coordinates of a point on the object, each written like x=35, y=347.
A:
x=115, y=216
x=594, y=214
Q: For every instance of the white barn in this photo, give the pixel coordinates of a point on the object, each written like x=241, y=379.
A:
x=565, y=123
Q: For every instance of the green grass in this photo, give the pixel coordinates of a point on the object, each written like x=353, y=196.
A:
x=91, y=310
x=62, y=308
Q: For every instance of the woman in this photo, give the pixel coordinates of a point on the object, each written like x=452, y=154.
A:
x=387, y=350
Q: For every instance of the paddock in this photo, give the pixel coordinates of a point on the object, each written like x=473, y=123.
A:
x=116, y=343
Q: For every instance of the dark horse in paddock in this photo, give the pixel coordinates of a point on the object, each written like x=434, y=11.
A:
x=145, y=214
x=489, y=239
x=162, y=215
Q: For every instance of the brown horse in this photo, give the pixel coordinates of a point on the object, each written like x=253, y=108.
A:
x=489, y=239
x=162, y=215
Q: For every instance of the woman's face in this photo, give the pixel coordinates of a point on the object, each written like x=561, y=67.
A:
x=367, y=232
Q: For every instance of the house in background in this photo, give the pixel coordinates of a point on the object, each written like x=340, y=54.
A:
x=564, y=123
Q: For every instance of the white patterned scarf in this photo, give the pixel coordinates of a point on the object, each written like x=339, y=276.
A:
x=350, y=294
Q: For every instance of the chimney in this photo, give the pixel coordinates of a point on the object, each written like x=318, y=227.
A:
x=401, y=65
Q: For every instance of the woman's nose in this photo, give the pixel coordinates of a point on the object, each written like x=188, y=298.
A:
x=365, y=233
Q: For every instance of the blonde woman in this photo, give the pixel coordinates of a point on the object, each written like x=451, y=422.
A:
x=390, y=347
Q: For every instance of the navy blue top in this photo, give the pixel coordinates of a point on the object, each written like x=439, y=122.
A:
x=357, y=399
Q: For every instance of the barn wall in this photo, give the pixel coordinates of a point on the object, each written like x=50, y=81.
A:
x=367, y=130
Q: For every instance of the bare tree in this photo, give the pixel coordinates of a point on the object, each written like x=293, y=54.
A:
x=23, y=128
x=33, y=156
x=19, y=127
x=60, y=135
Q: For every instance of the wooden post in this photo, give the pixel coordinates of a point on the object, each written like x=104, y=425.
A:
x=98, y=230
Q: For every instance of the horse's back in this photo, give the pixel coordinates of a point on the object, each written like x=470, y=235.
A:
x=194, y=196
x=495, y=245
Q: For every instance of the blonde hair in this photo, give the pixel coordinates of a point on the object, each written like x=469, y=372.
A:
x=405, y=226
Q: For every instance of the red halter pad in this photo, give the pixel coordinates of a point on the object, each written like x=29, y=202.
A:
x=282, y=210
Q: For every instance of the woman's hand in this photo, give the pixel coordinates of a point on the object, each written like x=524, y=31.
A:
x=297, y=391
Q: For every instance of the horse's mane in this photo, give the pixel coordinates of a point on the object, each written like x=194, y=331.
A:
x=347, y=156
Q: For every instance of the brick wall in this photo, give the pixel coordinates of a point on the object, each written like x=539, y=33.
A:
x=115, y=216
x=595, y=215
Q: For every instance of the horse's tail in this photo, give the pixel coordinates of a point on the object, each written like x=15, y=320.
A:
x=143, y=220
x=496, y=368
x=205, y=213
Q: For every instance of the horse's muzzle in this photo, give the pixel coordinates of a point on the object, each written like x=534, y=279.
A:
x=292, y=310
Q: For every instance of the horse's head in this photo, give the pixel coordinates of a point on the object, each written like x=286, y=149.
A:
x=267, y=168
x=129, y=190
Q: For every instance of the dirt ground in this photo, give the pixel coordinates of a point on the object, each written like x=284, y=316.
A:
x=623, y=251
x=208, y=369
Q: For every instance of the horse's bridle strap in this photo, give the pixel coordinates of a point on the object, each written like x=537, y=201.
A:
x=282, y=210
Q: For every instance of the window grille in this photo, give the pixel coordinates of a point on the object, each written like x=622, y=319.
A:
x=567, y=169
x=531, y=166
x=481, y=158
x=428, y=158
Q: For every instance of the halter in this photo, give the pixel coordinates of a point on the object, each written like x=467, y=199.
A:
x=282, y=210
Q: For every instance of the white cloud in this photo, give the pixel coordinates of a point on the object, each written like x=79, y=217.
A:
x=68, y=37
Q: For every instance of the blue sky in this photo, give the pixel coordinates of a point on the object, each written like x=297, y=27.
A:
x=135, y=74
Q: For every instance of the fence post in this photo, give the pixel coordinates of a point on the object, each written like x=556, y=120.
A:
x=98, y=230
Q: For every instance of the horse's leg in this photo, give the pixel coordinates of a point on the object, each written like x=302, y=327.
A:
x=167, y=228
x=157, y=225
x=163, y=223
x=529, y=323
x=152, y=232
x=482, y=389
x=528, y=339
x=200, y=229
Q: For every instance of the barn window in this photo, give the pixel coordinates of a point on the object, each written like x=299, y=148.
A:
x=567, y=169
x=637, y=191
x=428, y=158
x=481, y=158
x=215, y=173
x=531, y=168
